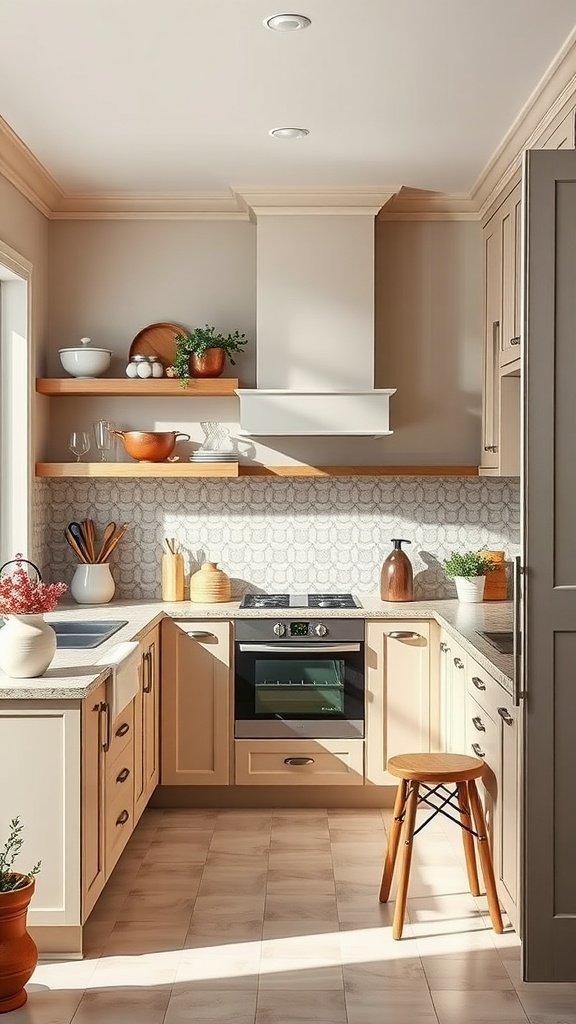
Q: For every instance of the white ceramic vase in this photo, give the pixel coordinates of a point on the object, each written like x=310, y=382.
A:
x=27, y=646
x=92, y=584
x=470, y=589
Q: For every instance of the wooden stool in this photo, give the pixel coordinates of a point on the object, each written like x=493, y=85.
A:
x=415, y=772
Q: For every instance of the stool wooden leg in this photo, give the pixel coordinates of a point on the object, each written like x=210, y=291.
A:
x=393, y=842
x=407, y=838
x=485, y=858
x=468, y=839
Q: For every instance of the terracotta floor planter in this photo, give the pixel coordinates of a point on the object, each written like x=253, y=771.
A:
x=18, y=953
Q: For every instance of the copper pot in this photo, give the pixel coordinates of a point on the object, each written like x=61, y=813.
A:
x=149, y=445
x=211, y=364
x=18, y=953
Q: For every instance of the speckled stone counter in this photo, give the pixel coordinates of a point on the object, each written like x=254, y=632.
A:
x=73, y=674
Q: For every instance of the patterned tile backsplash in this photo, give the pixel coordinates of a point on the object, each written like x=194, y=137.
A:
x=282, y=534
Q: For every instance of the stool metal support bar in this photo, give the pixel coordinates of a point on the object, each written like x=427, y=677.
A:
x=439, y=809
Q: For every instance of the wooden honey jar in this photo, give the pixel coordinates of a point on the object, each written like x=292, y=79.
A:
x=496, y=585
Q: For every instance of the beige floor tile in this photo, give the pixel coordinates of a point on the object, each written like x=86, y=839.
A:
x=245, y=861
x=95, y=937
x=484, y=971
x=320, y=948
x=134, y=971
x=303, y=845
x=371, y=945
x=231, y=882
x=125, y=1005
x=292, y=861
x=293, y=1007
x=244, y=820
x=232, y=966
x=244, y=843
x=355, y=854
x=60, y=975
x=130, y=938
x=194, y=818
x=292, y=817
x=367, y=835
x=292, y=887
x=484, y=1005
x=303, y=926
x=435, y=915
x=290, y=908
x=205, y=930
x=282, y=973
x=390, y=1007
x=406, y=974
x=549, y=1007
x=165, y=907
x=45, y=1007
x=207, y=1005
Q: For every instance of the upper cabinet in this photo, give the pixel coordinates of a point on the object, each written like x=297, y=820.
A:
x=563, y=136
x=509, y=220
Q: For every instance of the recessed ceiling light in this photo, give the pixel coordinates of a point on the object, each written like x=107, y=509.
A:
x=288, y=133
x=287, y=22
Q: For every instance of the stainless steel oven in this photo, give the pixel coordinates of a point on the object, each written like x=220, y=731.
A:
x=299, y=677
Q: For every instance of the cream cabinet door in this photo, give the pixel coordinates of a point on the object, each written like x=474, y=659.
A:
x=147, y=723
x=196, y=703
x=492, y=258
x=511, y=225
x=397, y=694
x=93, y=792
x=453, y=662
x=508, y=860
x=563, y=136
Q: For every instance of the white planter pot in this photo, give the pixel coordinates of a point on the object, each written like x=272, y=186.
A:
x=470, y=589
x=92, y=584
x=27, y=646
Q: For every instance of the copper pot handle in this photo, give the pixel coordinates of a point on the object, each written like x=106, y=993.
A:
x=119, y=433
x=179, y=436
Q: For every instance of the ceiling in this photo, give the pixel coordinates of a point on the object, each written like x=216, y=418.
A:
x=179, y=95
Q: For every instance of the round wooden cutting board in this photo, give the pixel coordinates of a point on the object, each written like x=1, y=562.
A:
x=157, y=340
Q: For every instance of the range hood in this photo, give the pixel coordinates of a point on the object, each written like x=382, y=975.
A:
x=315, y=324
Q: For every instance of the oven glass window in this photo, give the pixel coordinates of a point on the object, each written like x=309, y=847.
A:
x=297, y=686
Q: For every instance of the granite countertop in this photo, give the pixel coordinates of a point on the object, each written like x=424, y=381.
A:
x=73, y=674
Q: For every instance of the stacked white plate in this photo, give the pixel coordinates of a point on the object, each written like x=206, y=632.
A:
x=209, y=455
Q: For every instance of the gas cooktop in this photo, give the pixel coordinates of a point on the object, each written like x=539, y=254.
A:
x=299, y=601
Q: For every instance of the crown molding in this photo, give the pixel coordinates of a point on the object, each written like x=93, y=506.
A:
x=148, y=206
x=21, y=168
x=313, y=201
x=556, y=87
x=423, y=205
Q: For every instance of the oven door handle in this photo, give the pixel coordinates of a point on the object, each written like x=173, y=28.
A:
x=287, y=648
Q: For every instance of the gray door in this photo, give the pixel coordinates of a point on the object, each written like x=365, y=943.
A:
x=549, y=554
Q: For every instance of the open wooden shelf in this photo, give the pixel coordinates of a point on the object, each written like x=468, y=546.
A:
x=127, y=386
x=232, y=469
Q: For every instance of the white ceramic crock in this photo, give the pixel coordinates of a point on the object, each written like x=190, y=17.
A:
x=27, y=646
x=92, y=584
x=470, y=589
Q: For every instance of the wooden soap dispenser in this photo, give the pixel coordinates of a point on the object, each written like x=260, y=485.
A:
x=397, y=578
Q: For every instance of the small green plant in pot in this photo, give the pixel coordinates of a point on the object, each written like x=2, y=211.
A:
x=468, y=569
x=19, y=952
x=202, y=353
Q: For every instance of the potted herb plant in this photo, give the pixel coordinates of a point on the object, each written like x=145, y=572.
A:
x=468, y=569
x=19, y=954
x=202, y=353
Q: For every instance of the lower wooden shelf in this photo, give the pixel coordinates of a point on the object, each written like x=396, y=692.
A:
x=233, y=469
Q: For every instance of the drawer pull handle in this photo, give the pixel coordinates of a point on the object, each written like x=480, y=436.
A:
x=478, y=723
x=515, y=341
x=147, y=671
x=478, y=683
x=490, y=447
x=458, y=663
x=506, y=716
x=478, y=750
x=201, y=634
x=123, y=729
x=122, y=818
x=443, y=646
x=104, y=709
x=403, y=634
x=298, y=760
x=123, y=775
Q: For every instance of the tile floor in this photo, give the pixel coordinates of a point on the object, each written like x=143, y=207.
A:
x=272, y=917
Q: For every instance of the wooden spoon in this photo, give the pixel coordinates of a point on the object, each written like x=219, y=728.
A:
x=117, y=537
x=74, y=545
x=106, y=536
x=89, y=538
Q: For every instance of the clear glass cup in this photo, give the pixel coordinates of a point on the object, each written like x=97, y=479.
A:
x=104, y=439
x=79, y=443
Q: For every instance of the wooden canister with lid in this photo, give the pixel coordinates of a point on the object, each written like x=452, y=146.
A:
x=496, y=585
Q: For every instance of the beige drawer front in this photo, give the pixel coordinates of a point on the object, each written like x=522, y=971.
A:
x=482, y=733
x=121, y=732
x=119, y=823
x=323, y=762
x=120, y=775
x=484, y=689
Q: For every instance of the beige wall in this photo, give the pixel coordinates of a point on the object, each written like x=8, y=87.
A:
x=108, y=279
x=26, y=230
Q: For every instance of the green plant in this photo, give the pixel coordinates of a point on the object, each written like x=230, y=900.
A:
x=198, y=342
x=469, y=563
x=9, y=878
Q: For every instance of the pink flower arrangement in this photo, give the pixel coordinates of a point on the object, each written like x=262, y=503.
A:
x=20, y=595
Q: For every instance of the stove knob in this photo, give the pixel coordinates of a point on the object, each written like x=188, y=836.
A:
x=279, y=629
x=320, y=629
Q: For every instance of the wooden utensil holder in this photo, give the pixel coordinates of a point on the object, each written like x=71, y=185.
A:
x=172, y=577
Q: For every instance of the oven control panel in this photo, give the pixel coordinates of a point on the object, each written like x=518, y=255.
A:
x=299, y=629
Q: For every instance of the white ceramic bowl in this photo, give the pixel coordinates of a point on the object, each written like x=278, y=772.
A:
x=85, y=361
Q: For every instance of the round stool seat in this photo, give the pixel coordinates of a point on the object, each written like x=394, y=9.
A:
x=435, y=767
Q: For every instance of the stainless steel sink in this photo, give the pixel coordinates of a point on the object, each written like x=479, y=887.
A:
x=86, y=634
x=501, y=640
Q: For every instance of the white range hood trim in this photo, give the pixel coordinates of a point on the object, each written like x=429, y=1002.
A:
x=275, y=412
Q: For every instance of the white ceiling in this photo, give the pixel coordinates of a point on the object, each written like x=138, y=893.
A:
x=163, y=95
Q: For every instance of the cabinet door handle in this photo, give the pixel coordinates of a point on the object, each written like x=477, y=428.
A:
x=478, y=683
x=478, y=723
x=404, y=634
x=105, y=710
x=123, y=729
x=515, y=341
x=458, y=663
x=506, y=716
x=123, y=775
x=298, y=760
x=443, y=646
x=147, y=671
x=122, y=818
x=490, y=447
x=201, y=634
x=478, y=750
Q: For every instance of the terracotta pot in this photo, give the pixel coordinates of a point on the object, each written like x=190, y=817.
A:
x=18, y=953
x=149, y=445
x=211, y=364
x=209, y=584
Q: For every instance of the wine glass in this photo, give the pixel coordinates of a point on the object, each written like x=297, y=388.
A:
x=79, y=443
x=103, y=437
